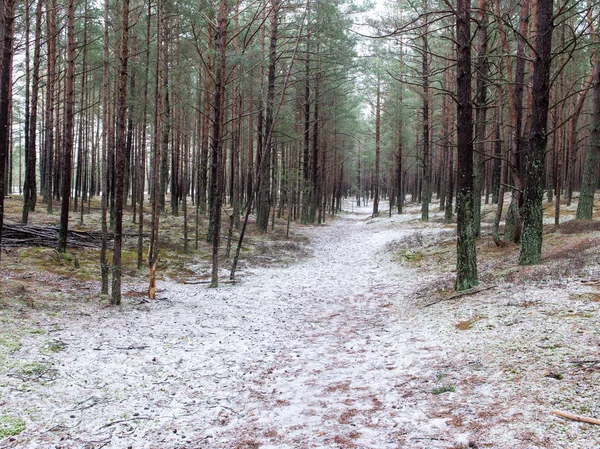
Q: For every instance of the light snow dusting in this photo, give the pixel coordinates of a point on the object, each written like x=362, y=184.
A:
x=325, y=353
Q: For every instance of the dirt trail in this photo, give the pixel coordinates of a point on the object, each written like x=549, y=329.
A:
x=312, y=355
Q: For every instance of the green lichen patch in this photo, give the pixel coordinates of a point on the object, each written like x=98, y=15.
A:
x=11, y=425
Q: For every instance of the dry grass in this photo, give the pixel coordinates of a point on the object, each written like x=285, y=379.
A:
x=467, y=324
x=568, y=251
x=39, y=283
x=579, y=226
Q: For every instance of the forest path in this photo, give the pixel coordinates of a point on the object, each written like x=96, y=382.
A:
x=315, y=354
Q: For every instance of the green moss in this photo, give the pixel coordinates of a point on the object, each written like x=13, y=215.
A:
x=11, y=425
x=54, y=346
x=28, y=368
x=446, y=389
x=9, y=344
x=407, y=255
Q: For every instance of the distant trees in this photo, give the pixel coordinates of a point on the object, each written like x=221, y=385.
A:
x=270, y=109
x=519, y=106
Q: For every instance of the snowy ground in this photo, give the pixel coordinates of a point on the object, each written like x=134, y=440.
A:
x=326, y=353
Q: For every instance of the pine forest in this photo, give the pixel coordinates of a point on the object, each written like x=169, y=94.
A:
x=243, y=224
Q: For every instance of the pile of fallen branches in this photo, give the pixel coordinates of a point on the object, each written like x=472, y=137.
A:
x=14, y=235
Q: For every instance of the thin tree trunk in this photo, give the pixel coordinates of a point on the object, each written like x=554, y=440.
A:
x=6, y=55
x=481, y=69
x=377, y=145
x=50, y=86
x=120, y=156
x=585, y=207
x=153, y=249
x=142, y=149
x=68, y=128
x=426, y=186
x=306, y=190
x=30, y=187
x=264, y=189
x=217, y=140
x=105, y=139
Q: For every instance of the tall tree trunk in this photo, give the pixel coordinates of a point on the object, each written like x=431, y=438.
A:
x=120, y=156
x=533, y=214
x=513, y=225
x=153, y=249
x=105, y=146
x=50, y=86
x=466, y=257
x=399, y=159
x=27, y=112
x=572, y=137
x=30, y=187
x=166, y=118
x=426, y=186
x=481, y=69
x=68, y=128
x=6, y=56
x=585, y=207
x=237, y=105
x=377, y=144
x=263, y=207
x=217, y=139
x=142, y=148
x=315, y=192
x=306, y=190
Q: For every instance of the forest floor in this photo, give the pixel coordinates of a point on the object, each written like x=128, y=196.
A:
x=360, y=343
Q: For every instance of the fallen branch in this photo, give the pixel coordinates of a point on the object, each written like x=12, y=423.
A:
x=224, y=281
x=585, y=362
x=459, y=295
x=574, y=417
x=19, y=235
x=137, y=418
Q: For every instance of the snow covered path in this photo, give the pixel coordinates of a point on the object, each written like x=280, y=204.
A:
x=312, y=355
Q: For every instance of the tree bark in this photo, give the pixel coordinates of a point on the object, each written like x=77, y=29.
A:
x=120, y=156
x=263, y=207
x=466, y=258
x=30, y=186
x=377, y=145
x=585, y=207
x=105, y=146
x=426, y=186
x=68, y=128
x=153, y=249
x=533, y=214
x=481, y=69
x=49, y=119
x=6, y=55
x=217, y=140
